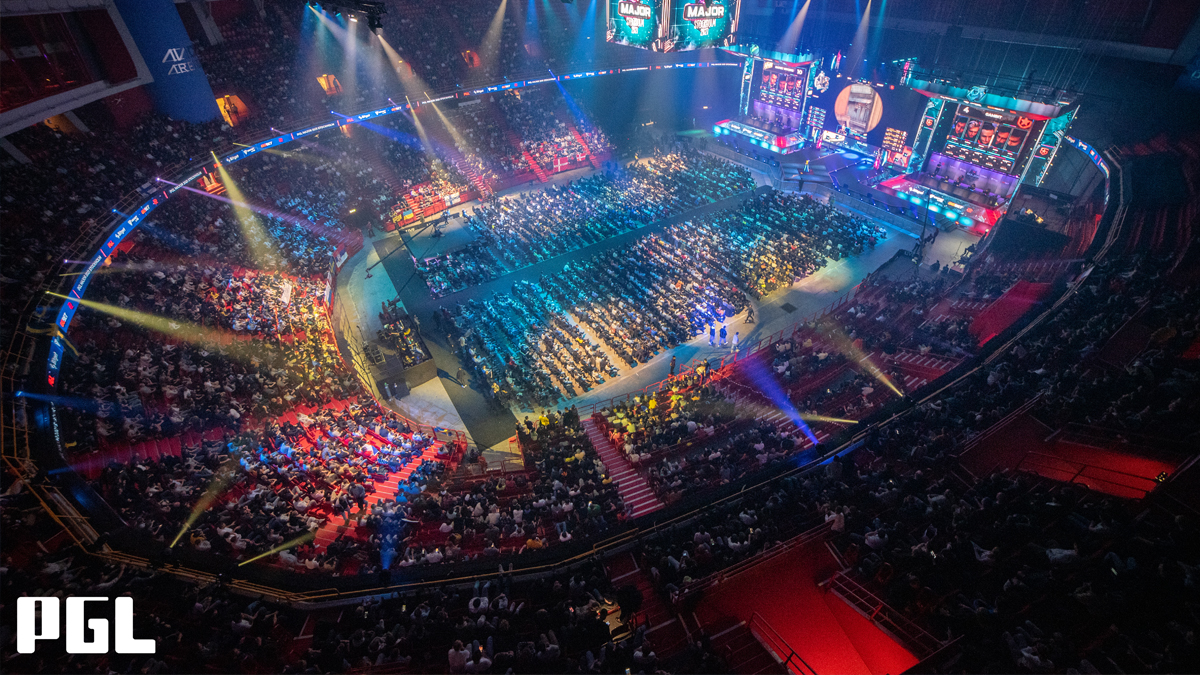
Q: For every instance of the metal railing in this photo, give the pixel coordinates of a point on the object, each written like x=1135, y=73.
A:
x=818, y=533
x=918, y=640
x=778, y=646
x=1053, y=467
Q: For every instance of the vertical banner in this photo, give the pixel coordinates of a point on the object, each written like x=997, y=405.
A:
x=180, y=88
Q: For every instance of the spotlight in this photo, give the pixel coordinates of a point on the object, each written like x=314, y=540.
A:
x=354, y=19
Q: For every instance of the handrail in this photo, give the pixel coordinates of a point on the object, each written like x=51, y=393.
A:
x=917, y=639
x=721, y=576
x=1079, y=467
x=775, y=643
x=987, y=433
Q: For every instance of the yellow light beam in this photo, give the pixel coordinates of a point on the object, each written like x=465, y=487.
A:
x=421, y=132
x=184, y=330
x=458, y=139
x=822, y=418
x=302, y=539
x=220, y=482
x=412, y=83
x=489, y=49
x=845, y=345
x=258, y=240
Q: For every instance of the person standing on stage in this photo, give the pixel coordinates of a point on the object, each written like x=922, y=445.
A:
x=712, y=335
x=462, y=377
x=733, y=348
x=672, y=365
x=724, y=335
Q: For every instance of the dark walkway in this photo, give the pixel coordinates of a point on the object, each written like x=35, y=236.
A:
x=489, y=424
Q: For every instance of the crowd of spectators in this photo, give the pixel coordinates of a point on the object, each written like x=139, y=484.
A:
x=659, y=292
x=1036, y=576
x=527, y=228
x=775, y=239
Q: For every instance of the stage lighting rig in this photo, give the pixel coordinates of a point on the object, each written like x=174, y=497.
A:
x=374, y=11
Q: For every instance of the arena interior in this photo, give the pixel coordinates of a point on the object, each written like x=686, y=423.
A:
x=600, y=336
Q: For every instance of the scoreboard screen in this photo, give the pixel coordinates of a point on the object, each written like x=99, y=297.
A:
x=991, y=138
x=696, y=24
x=894, y=140
x=782, y=84
x=634, y=22
x=672, y=25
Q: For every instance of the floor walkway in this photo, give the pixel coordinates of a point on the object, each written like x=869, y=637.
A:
x=634, y=489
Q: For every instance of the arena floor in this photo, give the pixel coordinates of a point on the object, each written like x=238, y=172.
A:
x=445, y=403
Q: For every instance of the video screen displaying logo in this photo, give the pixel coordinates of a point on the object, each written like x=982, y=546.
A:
x=696, y=25
x=633, y=22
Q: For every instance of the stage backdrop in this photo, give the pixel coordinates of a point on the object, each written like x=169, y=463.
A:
x=180, y=88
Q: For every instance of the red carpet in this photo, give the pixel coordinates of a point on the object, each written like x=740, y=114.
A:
x=1005, y=311
x=1113, y=470
x=827, y=633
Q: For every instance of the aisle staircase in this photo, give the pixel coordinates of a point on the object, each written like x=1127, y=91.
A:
x=516, y=143
x=634, y=490
x=467, y=169
x=334, y=526
x=743, y=652
x=383, y=171
x=596, y=163
x=920, y=369
x=537, y=168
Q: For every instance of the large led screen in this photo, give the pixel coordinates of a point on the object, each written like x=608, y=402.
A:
x=634, y=22
x=874, y=113
x=781, y=84
x=993, y=139
x=698, y=24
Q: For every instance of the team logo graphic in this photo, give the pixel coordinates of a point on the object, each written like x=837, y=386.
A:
x=703, y=17
x=976, y=94
x=1024, y=123
x=821, y=83
x=182, y=60
x=635, y=14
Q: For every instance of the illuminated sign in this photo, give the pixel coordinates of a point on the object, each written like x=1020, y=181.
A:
x=832, y=137
x=1088, y=150
x=696, y=25
x=703, y=17
x=633, y=22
